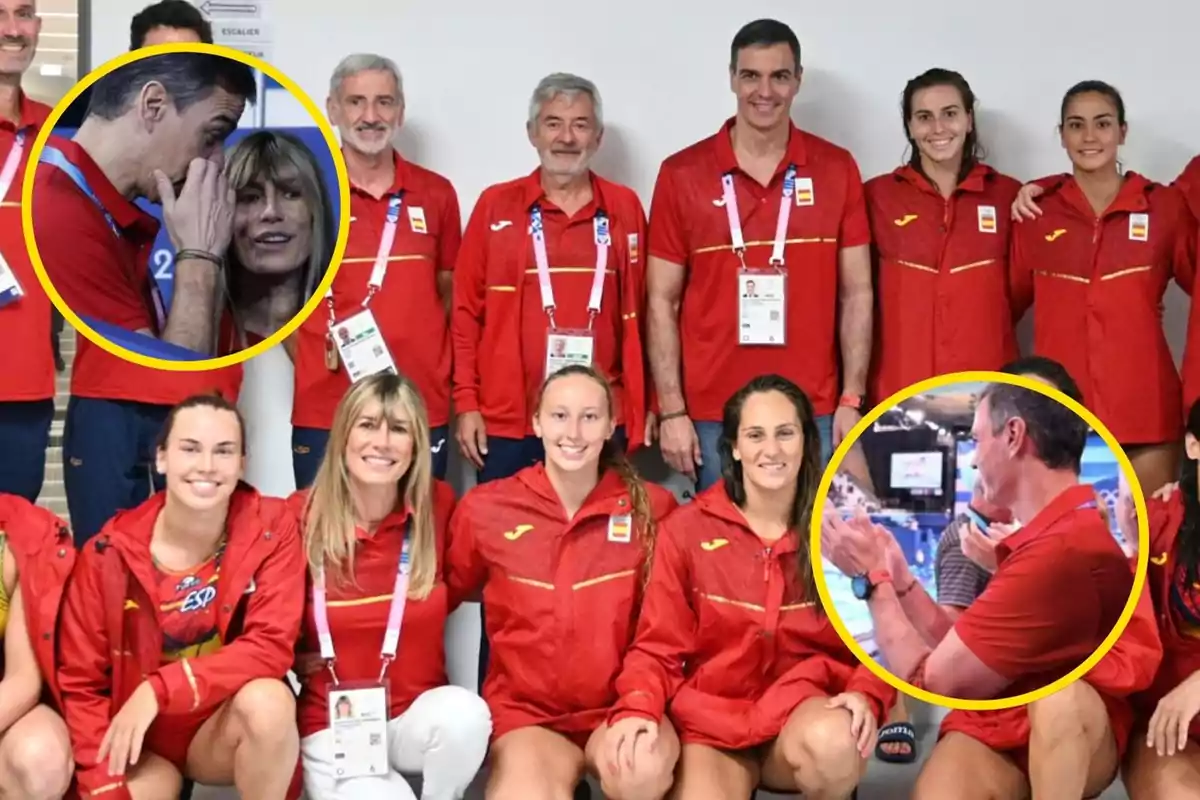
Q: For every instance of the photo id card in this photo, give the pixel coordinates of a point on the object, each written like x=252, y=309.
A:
x=565, y=348
x=360, y=343
x=358, y=718
x=762, y=307
x=10, y=287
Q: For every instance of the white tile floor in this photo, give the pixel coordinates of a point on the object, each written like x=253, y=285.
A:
x=883, y=781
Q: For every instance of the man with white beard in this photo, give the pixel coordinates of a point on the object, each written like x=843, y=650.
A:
x=392, y=292
x=550, y=275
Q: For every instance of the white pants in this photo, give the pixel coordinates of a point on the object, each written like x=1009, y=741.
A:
x=443, y=736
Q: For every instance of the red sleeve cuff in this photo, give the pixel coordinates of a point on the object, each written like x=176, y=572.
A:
x=880, y=696
x=160, y=690
x=466, y=400
x=636, y=704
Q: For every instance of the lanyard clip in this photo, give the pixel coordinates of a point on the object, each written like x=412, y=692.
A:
x=550, y=315
x=332, y=671
x=371, y=290
x=386, y=661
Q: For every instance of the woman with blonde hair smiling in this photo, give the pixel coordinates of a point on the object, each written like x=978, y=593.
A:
x=374, y=526
x=284, y=233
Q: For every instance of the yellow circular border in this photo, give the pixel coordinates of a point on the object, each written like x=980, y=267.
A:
x=296, y=321
x=863, y=656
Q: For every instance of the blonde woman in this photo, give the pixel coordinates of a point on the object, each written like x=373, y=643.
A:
x=283, y=236
x=374, y=526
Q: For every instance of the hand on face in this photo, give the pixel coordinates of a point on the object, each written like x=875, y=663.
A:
x=201, y=216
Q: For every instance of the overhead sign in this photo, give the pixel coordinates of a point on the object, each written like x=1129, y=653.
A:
x=235, y=34
x=231, y=9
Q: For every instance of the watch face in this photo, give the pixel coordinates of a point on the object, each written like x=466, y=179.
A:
x=861, y=586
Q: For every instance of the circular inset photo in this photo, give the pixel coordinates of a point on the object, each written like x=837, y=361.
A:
x=1000, y=551
x=171, y=227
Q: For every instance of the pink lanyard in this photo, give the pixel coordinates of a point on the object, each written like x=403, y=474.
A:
x=729, y=198
x=603, y=241
x=9, y=172
x=391, y=636
x=379, y=270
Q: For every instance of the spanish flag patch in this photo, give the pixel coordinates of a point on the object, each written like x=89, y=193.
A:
x=620, y=528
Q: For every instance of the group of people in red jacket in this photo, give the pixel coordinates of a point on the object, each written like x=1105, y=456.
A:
x=641, y=643
x=658, y=648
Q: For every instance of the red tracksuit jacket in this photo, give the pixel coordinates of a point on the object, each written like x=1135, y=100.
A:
x=941, y=276
x=45, y=555
x=1181, y=650
x=1096, y=286
x=561, y=596
x=111, y=609
x=490, y=282
x=1128, y=668
x=725, y=639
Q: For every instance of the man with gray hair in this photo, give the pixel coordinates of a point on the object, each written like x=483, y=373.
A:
x=402, y=216
x=550, y=275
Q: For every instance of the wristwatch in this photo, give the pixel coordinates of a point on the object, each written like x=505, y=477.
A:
x=856, y=401
x=863, y=584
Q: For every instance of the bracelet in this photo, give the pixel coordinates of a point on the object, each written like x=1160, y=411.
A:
x=671, y=415
x=908, y=588
x=202, y=255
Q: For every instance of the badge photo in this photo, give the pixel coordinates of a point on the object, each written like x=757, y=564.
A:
x=600, y=225
x=1139, y=227
x=804, y=192
x=620, y=528
x=416, y=219
x=987, y=219
x=10, y=287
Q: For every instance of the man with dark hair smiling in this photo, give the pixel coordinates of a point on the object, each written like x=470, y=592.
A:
x=759, y=204
x=155, y=130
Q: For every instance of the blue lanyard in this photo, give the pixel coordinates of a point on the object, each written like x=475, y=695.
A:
x=54, y=157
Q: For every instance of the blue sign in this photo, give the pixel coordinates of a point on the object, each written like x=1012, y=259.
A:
x=162, y=259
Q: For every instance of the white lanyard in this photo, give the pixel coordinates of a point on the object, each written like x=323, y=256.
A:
x=729, y=198
x=382, y=255
x=603, y=240
x=9, y=172
x=391, y=636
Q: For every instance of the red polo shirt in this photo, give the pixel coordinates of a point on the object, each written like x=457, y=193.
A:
x=28, y=372
x=1188, y=182
x=358, y=616
x=101, y=274
x=941, y=272
x=499, y=326
x=407, y=307
x=1024, y=626
x=1096, y=284
x=689, y=226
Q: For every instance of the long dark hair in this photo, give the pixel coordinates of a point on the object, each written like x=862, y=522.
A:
x=810, y=466
x=973, y=152
x=612, y=457
x=1187, y=543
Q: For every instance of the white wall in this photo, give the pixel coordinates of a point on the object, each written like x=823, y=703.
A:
x=470, y=66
